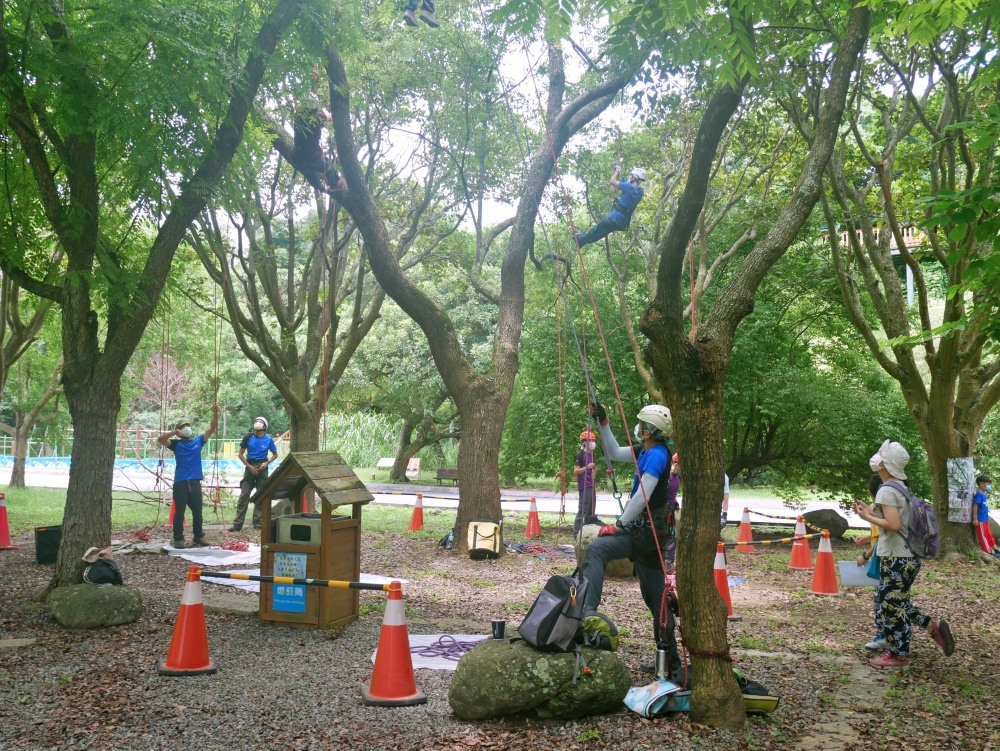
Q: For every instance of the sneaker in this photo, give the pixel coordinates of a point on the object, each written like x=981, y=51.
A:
x=410, y=18
x=889, y=660
x=941, y=633
x=996, y=553
x=428, y=17
x=236, y=528
x=878, y=644
x=200, y=542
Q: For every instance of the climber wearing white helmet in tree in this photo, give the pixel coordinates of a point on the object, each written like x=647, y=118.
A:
x=621, y=214
x=257, y=451
x=632, y=535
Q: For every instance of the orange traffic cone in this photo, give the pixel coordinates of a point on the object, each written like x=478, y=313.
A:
x=746, y=533
x=417, y=520
x=188, y=653
x=825, y=577
x=4, y=528
x=801, y=557
x=534, y=529
x=722, y=581
x=393, y=684
x=173, y=510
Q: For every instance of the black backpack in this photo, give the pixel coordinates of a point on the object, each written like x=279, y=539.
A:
x=103, y=572
x=554, y=618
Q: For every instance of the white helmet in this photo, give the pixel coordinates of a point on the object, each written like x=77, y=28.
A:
x=260, y=419
x=658, y=421
x=639, y=173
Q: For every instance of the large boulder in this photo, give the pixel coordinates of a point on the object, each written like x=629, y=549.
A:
x=994, y=529
x=93, y=606
x=827, y=518
x=500, y=677
x=619, y=569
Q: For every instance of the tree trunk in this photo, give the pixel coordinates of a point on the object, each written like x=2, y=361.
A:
x=955, y=536
x=479, y=463
x=21, y=435
x=405, y=449
x=304, y=437
x=87, y=520
x=698, y=426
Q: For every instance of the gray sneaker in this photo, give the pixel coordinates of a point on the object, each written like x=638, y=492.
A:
x=877, y=645
x=428, y=17
x=410, y=18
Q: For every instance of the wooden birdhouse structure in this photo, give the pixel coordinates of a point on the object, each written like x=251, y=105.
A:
x=321, y=545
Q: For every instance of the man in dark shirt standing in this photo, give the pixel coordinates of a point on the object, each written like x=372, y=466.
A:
x=583, y=467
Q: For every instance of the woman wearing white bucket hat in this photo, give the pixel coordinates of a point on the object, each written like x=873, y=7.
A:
x=895, y=614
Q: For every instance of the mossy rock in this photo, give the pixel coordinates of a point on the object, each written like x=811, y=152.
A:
x=618, y=569
x=93, y=606
x=498, y=678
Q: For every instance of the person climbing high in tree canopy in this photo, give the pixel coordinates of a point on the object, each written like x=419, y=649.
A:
x=621, y=214
x=426, y=13
x=308, y=157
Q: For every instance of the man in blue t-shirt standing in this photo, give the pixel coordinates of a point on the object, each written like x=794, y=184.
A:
x=257, y=451
x=188, y=475
x=621, y=214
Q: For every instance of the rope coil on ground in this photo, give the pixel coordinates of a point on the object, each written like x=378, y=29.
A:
x=447, y=647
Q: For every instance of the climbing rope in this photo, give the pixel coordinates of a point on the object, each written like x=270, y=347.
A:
x=447, y=647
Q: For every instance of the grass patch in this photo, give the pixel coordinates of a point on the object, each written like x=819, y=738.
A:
x=42, y=507
x=745, y=641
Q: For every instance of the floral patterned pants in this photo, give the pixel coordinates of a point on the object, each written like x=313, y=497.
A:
x=894, y=613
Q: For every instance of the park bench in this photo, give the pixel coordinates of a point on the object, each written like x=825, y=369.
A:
x=446, y=473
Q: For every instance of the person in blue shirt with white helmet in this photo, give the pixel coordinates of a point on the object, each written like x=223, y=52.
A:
x=621, y=215
x=637, y=532
x=257, y=451
x=188, y=475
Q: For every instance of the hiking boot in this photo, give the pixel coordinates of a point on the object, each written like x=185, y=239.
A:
x=428, y=17
x=256, y=526
x=725, y=519
x=179, y=545
x=878, y=644
x=200, y=542
x=236, y=528
x=410, y=18
x=941, y=633
x=889, y=660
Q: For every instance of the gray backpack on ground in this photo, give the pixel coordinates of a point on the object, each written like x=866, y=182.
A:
x=553, y=620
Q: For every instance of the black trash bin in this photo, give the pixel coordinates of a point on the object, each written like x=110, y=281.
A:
x=47, y=541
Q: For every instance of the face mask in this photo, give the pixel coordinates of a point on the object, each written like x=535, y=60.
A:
x=635, y=432
x=258, y=426
x=875, y=462
x=989, y=488
x=591, y=445
x=186, y=432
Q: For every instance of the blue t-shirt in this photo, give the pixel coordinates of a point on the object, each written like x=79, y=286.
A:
x=257, y=448
x=982, y=509
x=654, y=462
x=630, y=196
x=188, y=456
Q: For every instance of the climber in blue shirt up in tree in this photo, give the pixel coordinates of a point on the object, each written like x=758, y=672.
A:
x=621, y=214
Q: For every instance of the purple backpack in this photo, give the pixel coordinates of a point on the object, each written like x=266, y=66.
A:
x=922, y=535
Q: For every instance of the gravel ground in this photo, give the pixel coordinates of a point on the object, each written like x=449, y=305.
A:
x=279, y=687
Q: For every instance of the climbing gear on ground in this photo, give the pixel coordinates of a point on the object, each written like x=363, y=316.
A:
x=598, y=631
